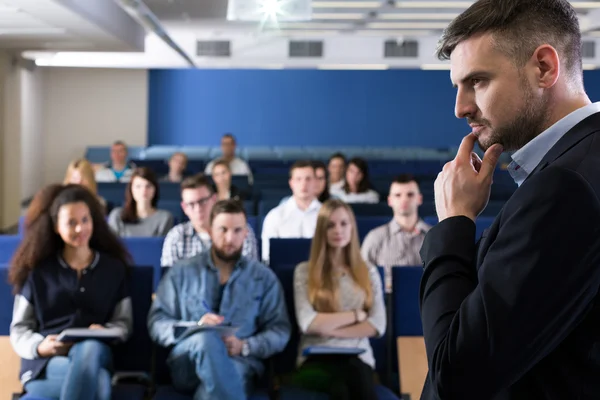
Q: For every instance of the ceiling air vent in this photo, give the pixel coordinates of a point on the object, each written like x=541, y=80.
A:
x=312, y=48
x=213, y=48
x=401, y=49
x=588, y=49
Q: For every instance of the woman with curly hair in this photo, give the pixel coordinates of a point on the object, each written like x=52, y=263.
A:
x=70, y=271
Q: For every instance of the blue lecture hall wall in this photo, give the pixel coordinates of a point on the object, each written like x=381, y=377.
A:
x=308, y=107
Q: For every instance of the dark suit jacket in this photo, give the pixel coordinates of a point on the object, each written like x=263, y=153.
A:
x=518, y=315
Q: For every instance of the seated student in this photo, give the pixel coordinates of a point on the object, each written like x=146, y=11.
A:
x=297, y=217
x=237, y=166
x=221, y=176
x=81, y=172
x=68, y=272
x=177, y=165
x=193, y=237
x=398, y=242
x=357, y=187
x=118, y=169
x=321, y=189
x=220, y=286
x=339, y=303
x=337, y=170
x=139, y=216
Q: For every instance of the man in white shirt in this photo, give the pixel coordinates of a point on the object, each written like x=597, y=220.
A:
x=297, y=217
x=119, y=169
x=337, y=171
x=236, y=164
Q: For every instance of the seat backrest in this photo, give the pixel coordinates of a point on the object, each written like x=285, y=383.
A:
x=405, y=301
x=285, y=252
x=8, y=245
x=372, y=210
x=367, y=224
x=112, y=192
x=146, y=251
x=136, y=353
x=380, y=345
x=7, y=300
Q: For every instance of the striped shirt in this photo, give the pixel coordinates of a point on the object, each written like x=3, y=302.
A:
x=390, y=246
x=183, y=242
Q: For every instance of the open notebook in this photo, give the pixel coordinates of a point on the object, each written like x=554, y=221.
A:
x=79, y=334
x=186, y=328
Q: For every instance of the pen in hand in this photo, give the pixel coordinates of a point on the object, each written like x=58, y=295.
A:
x=209, y=317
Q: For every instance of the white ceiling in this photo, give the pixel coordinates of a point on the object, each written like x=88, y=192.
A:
x=353, y=33
x=50, y=25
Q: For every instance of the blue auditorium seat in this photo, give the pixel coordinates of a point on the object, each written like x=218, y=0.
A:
x=264, y=206
x=288, y=252
x=113, y=193
x=196, y=152
x=372, y=210
x=146, y=251
x=169, y=393
x=8, y=245
x=405, y=301
x=159, y=152
x=367, y=224
x=174, y=207
x=7, y=300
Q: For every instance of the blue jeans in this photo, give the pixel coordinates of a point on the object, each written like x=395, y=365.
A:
x=200, y=363
x=82, y=375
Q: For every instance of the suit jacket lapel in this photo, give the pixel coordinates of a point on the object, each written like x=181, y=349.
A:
x=579, y=132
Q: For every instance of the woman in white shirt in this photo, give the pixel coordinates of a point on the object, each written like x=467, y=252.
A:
x=357, y=188
x=339, y=304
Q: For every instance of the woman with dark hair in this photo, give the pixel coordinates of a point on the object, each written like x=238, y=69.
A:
x=357, y=187
x=69, y=271
x=221, y=176
x=322, y=189
x=139, y=216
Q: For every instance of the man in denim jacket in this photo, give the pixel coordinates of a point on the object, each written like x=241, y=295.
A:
x=220, y=287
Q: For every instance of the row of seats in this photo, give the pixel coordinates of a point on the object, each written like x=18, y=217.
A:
x=140, y=355
x=162, y=152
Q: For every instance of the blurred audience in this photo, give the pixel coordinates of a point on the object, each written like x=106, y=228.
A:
x=337, y=171
x=237, y=166
x=220, y=287
x=339, y=304
x=297, y=217
x=81, y=172
x=357, y=187
x=398, y=242
x=70, y=271
x=221, y=176
x=119, y=169
x=193, y=237
x=139, y=216
x=177, y=166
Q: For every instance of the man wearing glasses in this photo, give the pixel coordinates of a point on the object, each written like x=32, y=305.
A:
x=190, y=238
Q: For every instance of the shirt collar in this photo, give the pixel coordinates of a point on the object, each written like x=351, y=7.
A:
x=420, y=228
x=93, y=265
x=292, y=205
x=526, y=159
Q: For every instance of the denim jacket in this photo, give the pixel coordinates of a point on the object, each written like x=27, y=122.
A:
x=252, y=299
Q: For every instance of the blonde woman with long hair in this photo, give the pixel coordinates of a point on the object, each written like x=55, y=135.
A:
x=339, y=304
x=81, y=172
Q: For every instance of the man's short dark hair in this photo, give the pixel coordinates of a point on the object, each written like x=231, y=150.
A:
x=119, y=143
x=229, y=136
x=405, y=178
x=518, y=27
x=227, y=207
x=338, y=155
x=301, y=164
x=197, y=181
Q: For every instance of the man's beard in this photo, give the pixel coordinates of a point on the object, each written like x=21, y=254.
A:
x=232, y=257
x=527, y=124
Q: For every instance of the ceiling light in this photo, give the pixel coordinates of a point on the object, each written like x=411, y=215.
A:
x=589, y=67
x=407, y=25
x=313, y=25
x=32, y=31
x=353, y=66
x=346, y=4
x=595, y=33
x=8, y=9
x=418, y=16
x=337, y=16
x=300, y=33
